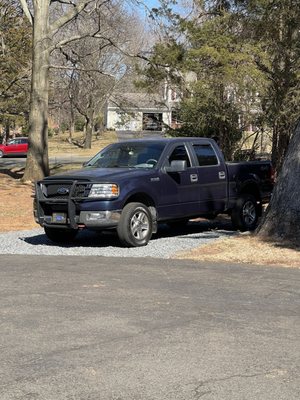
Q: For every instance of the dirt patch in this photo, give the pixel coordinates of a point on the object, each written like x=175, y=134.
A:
x=15, y=202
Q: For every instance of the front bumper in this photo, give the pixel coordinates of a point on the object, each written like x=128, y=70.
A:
x=65, y=212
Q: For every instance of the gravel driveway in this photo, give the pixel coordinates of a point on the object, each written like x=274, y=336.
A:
x=165, y=244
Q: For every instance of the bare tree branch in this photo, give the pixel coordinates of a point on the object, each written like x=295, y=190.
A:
x=68, y=2
x=69, y=16
x=12, y=83
x=71, y=68
x=62, y=43
x=67, y=41
x=26, y=10
x=75, y=57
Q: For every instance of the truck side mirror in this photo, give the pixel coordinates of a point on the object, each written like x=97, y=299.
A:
x=177, y=166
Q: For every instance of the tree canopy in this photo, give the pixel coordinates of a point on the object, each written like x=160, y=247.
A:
x=56, y=24
x=273, y=27
x=15, y=62
x=233, y=63
x=245, y=60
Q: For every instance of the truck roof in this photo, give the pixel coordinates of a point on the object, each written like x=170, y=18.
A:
x=169, y=140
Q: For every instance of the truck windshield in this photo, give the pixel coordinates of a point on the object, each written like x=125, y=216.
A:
x=128, y=155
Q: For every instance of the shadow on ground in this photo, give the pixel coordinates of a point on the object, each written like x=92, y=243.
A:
x=15, y=173
x=210, y=230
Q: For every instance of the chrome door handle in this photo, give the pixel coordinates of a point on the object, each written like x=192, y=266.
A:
x=222, y=175
x=194, y=177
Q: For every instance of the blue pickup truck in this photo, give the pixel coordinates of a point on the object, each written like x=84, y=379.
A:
x=133, y=185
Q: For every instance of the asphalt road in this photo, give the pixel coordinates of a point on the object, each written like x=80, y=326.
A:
x=96, y=328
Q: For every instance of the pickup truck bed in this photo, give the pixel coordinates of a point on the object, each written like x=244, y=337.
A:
x=133, y=185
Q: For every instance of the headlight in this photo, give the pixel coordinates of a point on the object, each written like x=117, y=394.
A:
x=104, y=190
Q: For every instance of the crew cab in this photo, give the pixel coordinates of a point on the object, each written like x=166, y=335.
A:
x=14, y=147
x=133, y=185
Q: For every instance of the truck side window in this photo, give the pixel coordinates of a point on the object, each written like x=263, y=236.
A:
x=180, y=153
x=205, y=154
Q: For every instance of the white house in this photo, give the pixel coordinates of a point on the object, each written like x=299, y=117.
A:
x=142, y=111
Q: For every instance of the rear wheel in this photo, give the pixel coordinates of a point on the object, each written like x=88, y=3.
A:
x=1, y=154
x=245, y=213
x=135, y=225
x=60, y=235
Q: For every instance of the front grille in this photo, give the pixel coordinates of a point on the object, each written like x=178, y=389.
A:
x=51, y=191
x=62, y=190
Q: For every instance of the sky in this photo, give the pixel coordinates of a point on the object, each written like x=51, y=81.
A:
x=150, y=3
x=155, y=4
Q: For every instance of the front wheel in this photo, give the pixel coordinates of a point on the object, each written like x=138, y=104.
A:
x=135, y=225
x=245, y=213
x=60, y=235
x=1, y=154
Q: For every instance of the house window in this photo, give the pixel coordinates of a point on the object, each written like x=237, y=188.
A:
x=152, y=121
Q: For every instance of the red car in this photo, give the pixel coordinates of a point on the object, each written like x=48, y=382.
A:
x=14, y=147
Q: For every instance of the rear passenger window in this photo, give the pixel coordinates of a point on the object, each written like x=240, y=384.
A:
x=180, y=153
x=205, y=154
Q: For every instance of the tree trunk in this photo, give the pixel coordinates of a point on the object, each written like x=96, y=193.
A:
x=282, y=220
x=280, y=142
x=37, y=164
x=89, y=125
x=72, y=123
x=7, y=131
x=88, y=134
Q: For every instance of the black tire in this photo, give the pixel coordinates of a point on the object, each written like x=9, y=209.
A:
x=244, y=215
x=1, y=154
x=135, y=225
x=62, y=235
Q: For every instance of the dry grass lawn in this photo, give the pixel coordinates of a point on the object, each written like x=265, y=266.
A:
x=246, y=249
x=59, y=145
x=15, y=203
x=16, y=214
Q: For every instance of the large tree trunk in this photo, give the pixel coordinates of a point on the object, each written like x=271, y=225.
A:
x=282, y=220
x=37, y=164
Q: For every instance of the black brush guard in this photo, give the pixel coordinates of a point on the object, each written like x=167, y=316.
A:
x=69, y=201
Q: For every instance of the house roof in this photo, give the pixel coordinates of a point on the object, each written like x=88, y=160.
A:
x=136, y=101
